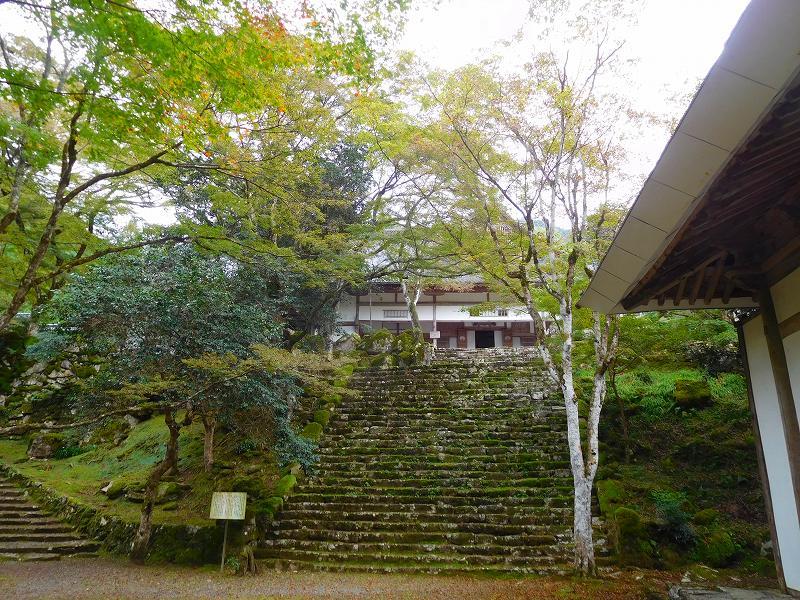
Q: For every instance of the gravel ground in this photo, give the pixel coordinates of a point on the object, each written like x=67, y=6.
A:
x=113, y=578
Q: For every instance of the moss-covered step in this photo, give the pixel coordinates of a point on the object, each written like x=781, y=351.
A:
x=457, y=466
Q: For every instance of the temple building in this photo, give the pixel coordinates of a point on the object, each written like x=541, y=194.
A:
x=717, y=225
x=444, y=315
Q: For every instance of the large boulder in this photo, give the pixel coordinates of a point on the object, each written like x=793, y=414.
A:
x=692, y=395
x=46, y=445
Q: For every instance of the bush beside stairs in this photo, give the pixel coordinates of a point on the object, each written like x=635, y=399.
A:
x=460, y=466
x=28, y=533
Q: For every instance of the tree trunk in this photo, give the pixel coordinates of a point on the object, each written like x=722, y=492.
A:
x=411, y=297
x=26, y=283
x=141, y=540
x=623, y=418
x=582, y=526
x=209, y=425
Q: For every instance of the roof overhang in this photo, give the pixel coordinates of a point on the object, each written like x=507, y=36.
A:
x=729, y=174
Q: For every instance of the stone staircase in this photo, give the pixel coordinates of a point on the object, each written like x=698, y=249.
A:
x=460, y=466
x=27, y=533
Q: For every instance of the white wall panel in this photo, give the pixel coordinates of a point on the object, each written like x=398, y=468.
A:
x=775, y=452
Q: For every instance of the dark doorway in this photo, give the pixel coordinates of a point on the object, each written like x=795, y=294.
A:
x=484, y=339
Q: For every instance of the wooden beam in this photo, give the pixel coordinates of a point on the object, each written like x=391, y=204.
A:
x=783, y=387
x=789, y=326
x=730, y=285
x=701, y=274
x=712, y=286
x=681, y=290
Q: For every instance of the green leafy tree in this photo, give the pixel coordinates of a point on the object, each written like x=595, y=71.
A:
x=187, y=331
x=525, y=164
x=108, y=99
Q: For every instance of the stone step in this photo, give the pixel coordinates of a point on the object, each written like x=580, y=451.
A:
x=412, y=537
x=431, y=463
x=472, y=502
x=466, y=483
x=58, y=547
x=465, y=518
x=287, y=525
x=29, y=556
x=448, y=451
x=419, y=492
x=419, y=509
x=384, y=567
x=542, y=547
x=460, y=466
x=365, y=472
x=33, y=528
x=26, y=535
x=409, y=558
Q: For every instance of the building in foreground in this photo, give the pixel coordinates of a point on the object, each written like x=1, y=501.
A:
x=444, y=316
x=717, y=225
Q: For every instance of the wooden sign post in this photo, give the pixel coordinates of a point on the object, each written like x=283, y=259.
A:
x=228, y=506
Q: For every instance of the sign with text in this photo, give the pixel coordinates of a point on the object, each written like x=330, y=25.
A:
x=435, y=335
x=228, y=505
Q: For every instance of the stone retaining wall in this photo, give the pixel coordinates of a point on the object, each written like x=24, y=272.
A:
x=185, y=544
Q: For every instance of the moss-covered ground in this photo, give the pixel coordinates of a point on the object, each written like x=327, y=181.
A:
x=690, y=473
x=83, y=476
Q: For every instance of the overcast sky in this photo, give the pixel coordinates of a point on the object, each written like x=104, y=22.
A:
x=675, y=43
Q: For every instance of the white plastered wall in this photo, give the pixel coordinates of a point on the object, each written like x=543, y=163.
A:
x=786, y=297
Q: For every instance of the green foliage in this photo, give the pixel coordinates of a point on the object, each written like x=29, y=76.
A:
x=244, y=446
x=214, y=91
x=70, y=451
x=669, y=507
x=13, y=362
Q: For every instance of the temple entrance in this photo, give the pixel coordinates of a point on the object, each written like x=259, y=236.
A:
x=484, y=339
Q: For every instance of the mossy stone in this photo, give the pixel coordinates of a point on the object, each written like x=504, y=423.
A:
x=285, y=485
x=322, y=417
x=706, y=517
x=46, y=445
x=691, y=394
x=610, y=494
x=717, y=549
x=312, y=431
x=633, y=546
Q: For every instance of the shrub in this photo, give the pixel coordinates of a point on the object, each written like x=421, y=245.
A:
x=715, y=358
x=70, y=451
x=244, y=446
x=669, y=506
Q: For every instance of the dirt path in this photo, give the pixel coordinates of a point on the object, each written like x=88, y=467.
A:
x=111, y=578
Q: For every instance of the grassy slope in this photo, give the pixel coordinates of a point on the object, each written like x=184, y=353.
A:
x=81, y=477
x=708, y=454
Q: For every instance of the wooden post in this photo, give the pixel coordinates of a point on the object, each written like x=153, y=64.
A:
x=224, y=543
x=783, y=387
x=762, y=465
